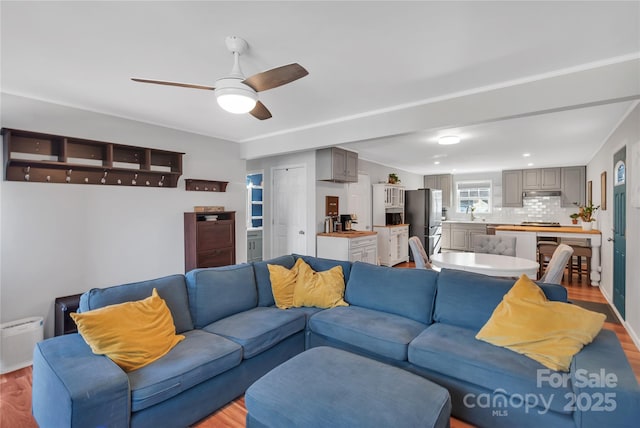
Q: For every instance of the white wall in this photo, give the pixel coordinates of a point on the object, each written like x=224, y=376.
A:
x=306, y=159
x=62, y=239
x=625, y=135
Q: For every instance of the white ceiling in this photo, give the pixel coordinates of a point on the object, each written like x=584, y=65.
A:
x=386, y=78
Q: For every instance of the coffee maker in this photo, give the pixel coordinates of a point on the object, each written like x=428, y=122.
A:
x=346, y=220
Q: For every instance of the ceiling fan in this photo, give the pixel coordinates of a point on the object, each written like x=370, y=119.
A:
x=237, y=94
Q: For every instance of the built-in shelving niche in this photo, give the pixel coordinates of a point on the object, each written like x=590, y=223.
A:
x=37, y=157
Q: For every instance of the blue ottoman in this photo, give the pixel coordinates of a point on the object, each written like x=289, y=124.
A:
x=327, y=387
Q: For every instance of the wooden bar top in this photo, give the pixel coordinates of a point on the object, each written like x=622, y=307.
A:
x=561, y=229
x=349, y=234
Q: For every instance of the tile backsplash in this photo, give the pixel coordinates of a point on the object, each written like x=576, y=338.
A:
x=545, y=208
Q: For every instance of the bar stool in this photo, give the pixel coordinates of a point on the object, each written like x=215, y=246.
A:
x=545, y=252
x=580, y=250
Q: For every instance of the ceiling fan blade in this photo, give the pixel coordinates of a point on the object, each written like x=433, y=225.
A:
x=260, y=111
x=182, y=85
x=276, y=77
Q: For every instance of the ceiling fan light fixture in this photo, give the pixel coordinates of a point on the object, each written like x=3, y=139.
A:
x=236, y=100
x=448, y=140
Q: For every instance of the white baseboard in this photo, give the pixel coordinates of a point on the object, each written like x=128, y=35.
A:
x=634, y=336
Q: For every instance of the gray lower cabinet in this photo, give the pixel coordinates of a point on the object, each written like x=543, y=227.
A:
x=254, y=246
x=459, y=236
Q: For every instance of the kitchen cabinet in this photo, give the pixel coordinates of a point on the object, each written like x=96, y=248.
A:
x=337, y=165
x=353, y=247
x=460, y=236
x=443, y=182
x=209, y=243
x=573, y=186
x=254, y=246
x=541, y=179
x=387, y=198
x=512, y=188
x=393, y=244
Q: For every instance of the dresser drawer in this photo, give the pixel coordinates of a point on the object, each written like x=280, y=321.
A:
x=213, y=258
x=214, y=234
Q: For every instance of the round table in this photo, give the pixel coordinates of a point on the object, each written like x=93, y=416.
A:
x=487, y=264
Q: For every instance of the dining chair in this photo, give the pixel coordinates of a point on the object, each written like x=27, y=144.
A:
x=419, y=254
x=495, y=244
x=555, y=269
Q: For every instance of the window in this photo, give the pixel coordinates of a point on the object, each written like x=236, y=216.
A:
x=254, y=200
x=474, y=194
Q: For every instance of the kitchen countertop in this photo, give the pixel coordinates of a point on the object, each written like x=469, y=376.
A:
x=561, y=229
x=349, y=234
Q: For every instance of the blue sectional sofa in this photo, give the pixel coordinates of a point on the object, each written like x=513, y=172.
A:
x=419, y=320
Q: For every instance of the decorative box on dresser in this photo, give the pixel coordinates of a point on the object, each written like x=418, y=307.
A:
x=209, y=243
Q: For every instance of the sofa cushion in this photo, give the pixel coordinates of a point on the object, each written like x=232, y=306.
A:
x=216, y=293
x=131, y=334
x=283, y=283
x=378, y=332
x=467, y=299
x=548, y=332
x=171, y=288
x=258, y=329
x=454, y=351
x=263, y=281
x=406, y=292
x=323, y=289
x=199, y=357
x=319, y=264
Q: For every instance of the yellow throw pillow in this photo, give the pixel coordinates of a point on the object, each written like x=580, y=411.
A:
x=548, y=332
x=283, y=282
x=132, y=334
x=320, y=289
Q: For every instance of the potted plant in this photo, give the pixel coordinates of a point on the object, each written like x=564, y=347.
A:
x=586, y=212
x=574, y=218
x=393, y=178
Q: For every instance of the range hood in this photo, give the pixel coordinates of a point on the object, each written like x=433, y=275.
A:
x=539, y=193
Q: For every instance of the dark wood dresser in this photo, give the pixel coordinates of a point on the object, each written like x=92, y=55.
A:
x=209, y=242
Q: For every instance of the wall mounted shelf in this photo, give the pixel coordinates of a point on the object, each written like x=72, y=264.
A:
x=39, y=157
x=205, y=185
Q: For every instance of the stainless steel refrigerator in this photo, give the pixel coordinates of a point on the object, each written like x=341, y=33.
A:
x=423, y=212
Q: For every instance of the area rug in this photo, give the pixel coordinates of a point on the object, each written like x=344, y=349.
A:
x=603, y=308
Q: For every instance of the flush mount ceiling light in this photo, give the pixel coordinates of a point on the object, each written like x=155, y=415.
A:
x=448, y=140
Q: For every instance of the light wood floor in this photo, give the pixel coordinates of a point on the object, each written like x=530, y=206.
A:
x=15, y=387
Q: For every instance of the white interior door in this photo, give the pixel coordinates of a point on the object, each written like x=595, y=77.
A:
x=359, y=202
x=289, y=211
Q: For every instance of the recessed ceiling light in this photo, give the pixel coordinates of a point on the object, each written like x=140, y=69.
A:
x=526, y=155
x=436, y=163
x=448, y=140
x=530, y=164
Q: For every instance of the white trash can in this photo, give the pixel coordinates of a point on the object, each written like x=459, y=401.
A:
x=18, y=338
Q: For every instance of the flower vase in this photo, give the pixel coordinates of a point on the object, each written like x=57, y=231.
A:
x=587, y=225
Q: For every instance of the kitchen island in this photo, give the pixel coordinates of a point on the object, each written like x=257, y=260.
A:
x=351, y=245
x=527, y=238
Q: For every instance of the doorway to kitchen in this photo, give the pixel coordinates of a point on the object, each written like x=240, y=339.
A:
x=619, y=229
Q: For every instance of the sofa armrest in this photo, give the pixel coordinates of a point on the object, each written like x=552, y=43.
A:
x=73, y=387
x=605, y=389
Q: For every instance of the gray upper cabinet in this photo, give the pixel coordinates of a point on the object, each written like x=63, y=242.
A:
x=573, y=186
x=512, y=188
x=336, y=164
x=541, y=179
x=443, y=182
